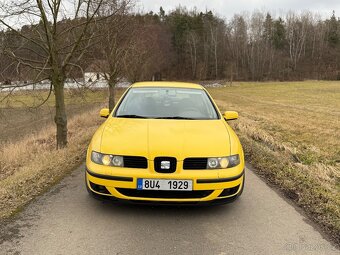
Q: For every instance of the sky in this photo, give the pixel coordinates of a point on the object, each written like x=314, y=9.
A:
x=227, y=8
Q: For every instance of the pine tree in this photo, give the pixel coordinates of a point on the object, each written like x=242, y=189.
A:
x=333, y=34
x=161, y=14
x=278, y=37
x=268, y=28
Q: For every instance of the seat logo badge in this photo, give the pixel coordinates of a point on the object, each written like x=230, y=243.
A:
x=165, y=164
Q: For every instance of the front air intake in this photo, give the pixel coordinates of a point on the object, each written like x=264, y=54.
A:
x=135, y=162
x=229, y=191
x=195, y=163
x=164, y=193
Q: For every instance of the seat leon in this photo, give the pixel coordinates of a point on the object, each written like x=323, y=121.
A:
x=165, y=142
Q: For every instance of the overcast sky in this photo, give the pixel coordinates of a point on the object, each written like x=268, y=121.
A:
x=226, y=8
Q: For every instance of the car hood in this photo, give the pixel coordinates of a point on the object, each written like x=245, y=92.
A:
x=163, y=137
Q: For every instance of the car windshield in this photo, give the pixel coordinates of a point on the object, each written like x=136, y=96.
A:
x=166, y=103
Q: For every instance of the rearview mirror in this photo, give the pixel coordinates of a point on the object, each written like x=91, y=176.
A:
x=104, y=113
x=230, y=115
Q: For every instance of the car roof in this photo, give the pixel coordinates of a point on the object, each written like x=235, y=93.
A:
x=166, y=84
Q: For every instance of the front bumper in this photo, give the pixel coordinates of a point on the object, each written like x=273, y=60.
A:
x=207, y=188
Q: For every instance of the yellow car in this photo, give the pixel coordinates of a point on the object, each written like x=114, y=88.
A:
x=166, y=142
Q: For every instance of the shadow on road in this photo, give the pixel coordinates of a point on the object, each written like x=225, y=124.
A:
x=114, y=208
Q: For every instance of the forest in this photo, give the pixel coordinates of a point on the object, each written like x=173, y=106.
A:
x=183, y=44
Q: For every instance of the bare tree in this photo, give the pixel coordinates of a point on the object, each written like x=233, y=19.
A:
x=115, y=42
x=239, y=44
x=54, y=45
x=192, y=41
x=149, y=53
x=296, y=35
x=214, y=44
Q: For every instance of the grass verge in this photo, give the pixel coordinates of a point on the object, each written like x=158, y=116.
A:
x=31, y=165
x=290, y=133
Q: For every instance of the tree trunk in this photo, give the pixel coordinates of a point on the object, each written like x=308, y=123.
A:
x=111, y=96
x=60, y=118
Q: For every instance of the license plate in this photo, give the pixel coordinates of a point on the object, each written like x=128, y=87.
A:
x=162, y=184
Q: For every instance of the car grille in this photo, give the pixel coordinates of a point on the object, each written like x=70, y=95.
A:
x=195, y=163
x=135, y=162
x=158, y=161
x=164, y=193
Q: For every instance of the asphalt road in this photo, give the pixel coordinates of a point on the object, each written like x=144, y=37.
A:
x=67, y=221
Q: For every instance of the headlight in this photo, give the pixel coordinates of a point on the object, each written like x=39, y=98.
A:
x=107, y=160
x=223, y=162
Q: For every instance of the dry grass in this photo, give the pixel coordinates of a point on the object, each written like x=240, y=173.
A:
x=291, y=135
x=29, y=162
x=30, y=165
x=31, y=98
x=18, y=118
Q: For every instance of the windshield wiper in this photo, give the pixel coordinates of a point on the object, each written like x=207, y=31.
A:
x=176, y=118
x=133, y=116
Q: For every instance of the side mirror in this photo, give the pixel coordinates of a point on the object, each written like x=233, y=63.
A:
x=104, y=113
x=230, y=115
